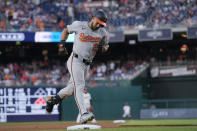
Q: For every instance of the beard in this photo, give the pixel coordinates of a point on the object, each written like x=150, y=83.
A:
x=94, y=27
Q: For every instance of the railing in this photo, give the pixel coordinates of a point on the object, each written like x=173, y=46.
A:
x=169, y=103
x=173, y=63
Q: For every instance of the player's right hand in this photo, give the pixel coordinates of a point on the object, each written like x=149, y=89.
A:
x=62, y=50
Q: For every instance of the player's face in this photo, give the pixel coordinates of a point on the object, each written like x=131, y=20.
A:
x=85, y=91
x=95, y=25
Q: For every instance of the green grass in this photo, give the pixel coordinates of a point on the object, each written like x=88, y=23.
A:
x=172, y=122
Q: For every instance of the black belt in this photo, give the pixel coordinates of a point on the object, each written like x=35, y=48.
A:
x=87, y=62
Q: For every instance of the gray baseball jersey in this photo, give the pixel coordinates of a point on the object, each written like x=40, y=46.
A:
x=85, y=38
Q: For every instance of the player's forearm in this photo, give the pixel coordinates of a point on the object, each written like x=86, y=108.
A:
x=62, y=44
x=64, y=34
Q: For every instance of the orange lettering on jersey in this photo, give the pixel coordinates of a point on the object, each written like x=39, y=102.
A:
x=88, y=38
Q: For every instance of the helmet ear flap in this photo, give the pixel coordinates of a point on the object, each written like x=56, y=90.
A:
x=104, y=20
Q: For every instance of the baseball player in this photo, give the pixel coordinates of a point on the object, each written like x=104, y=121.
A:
x=90, y=38
x=87, y=102
x=127, y=111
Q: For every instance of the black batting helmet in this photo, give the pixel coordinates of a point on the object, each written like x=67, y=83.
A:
x=100, y=16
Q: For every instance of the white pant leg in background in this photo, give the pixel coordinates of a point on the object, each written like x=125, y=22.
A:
x=78, y=118
x=126, y=114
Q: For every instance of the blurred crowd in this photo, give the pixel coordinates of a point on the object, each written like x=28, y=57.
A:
x=39, y=73
x=53, y=15
x=175, y=12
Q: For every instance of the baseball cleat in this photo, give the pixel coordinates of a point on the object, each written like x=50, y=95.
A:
x=49, y=106
x=86, y=117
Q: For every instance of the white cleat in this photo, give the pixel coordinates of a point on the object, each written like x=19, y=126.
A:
x=86, y=117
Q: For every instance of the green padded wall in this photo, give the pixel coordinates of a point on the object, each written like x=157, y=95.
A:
x=108, y=102
x=174, y=88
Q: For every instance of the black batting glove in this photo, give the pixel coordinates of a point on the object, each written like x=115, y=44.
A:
x=62, y=48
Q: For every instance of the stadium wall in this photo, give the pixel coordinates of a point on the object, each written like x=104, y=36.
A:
x=143, y=81
x=107, y=102
x=174, y=88
x=108, y=99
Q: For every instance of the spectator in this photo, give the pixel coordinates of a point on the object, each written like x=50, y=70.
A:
x=2, y=25
x=37, y=73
